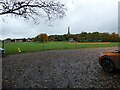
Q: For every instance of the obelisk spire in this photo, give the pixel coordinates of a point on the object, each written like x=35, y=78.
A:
x=68, y=30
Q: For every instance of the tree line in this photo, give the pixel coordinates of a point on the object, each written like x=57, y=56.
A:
x=82, y=37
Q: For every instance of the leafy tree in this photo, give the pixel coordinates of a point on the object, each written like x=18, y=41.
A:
x=51, y=38
x=105, y=37
x=35, y=39
x=67, y=36
x=59, y=37
x=114, y=37
x=43, y=37
x=56, y=38
x=33, y=8
x=77, y=37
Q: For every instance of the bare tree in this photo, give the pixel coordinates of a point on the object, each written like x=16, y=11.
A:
x=51, y=9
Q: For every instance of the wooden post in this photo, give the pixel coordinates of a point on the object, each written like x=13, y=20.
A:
x=3, y=44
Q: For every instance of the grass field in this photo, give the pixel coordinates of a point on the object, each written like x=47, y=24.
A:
x=12, y=48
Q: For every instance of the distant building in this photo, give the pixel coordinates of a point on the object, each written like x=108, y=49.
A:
x=18, y=40
x=7, y=40
x=71, y=40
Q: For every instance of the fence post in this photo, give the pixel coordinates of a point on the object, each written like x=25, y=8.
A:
x=43, y=46
x=3, y=44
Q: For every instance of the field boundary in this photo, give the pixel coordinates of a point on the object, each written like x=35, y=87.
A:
x=89, y=43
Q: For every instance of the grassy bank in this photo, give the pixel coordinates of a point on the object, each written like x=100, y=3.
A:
x=12, y=48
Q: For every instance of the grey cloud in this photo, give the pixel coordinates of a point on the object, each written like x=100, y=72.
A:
x=82, y=15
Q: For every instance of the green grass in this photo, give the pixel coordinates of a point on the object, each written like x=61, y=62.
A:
x=12, y=48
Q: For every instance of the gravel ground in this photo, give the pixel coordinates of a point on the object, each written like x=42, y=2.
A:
x=58, y=69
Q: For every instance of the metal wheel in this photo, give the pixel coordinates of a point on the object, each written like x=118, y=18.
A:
x=108, y=65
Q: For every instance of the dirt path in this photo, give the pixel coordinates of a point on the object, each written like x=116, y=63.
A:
x=58, y=69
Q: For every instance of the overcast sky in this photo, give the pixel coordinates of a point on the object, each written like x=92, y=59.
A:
x=82, y=15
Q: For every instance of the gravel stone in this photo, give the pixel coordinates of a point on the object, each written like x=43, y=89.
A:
x=58, y=69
